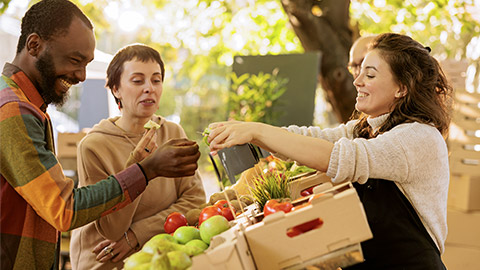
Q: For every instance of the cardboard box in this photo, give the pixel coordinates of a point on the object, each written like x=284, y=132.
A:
x=227, y=251
x=463, y=228
x=463, y=140
x=464, y=193
x=461, y=258
x=344, y=224
x=67, y=144
x=302, y=183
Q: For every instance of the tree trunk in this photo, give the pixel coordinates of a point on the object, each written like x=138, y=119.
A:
x=323, y=25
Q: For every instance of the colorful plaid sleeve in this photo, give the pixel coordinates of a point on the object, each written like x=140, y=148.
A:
x=32, y=170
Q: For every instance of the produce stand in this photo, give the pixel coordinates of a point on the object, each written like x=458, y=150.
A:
x=261, y=243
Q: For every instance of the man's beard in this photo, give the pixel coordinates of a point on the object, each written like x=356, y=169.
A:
x=46, y=68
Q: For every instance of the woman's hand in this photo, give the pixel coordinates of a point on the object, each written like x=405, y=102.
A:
x=115, y=250
x=227, y=134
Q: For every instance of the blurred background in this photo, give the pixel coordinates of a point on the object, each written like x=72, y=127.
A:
x=279, y=62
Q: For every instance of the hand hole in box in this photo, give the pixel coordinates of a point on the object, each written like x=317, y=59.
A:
x=304, y=227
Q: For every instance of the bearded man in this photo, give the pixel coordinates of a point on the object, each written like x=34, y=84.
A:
x=37, y=201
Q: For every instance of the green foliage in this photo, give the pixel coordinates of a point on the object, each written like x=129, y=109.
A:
x=4, y=5
x=255, y=97
x=446, y=26
x=270, y=186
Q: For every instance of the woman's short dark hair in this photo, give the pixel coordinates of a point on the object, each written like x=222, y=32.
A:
x=139, y=52
x=428, y=98
x=49, y=17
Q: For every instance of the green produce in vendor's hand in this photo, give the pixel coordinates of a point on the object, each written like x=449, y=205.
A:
x=205, y=134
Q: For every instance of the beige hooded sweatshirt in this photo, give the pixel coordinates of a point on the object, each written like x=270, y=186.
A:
x=105, y=151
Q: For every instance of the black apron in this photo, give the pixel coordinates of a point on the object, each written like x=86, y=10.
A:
x=400, y=241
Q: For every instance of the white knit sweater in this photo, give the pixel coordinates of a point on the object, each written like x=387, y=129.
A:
x=413, y=155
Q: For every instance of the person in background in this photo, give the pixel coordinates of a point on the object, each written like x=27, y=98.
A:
x=135, y=77
x=357, y=53
x=37, y=201
x=394, y=152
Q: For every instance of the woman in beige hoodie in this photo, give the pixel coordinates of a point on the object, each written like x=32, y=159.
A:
x=135, y=77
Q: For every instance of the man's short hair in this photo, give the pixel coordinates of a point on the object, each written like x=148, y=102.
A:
x=48, y=18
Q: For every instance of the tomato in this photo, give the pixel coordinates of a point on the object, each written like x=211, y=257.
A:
x=221, y=204
x=173, y=221
x=307, y=191
x=275, y=205
x=208, y=212
x=227, y=213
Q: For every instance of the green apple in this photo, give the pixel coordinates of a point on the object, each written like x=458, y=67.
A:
x=197, y=243
x=185, y=234
x=166, y=236
x=136, y=260
x=213, y=226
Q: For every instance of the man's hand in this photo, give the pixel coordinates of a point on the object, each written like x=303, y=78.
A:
x=175, y=158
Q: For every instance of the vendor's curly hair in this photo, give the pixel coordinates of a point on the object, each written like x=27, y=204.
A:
x=428, y=98
x=49, y=17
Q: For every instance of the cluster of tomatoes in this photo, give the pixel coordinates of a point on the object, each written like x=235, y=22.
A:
x=221, y=207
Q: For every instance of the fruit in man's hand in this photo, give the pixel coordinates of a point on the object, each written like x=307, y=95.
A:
x=179, y=260
x=173, y=221
x=185, y=234
x=136, y=260
x=213, y=226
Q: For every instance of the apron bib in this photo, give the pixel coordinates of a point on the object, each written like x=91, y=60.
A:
x=400, y=241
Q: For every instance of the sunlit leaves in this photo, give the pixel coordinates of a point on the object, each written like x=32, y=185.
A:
x=446, y=26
